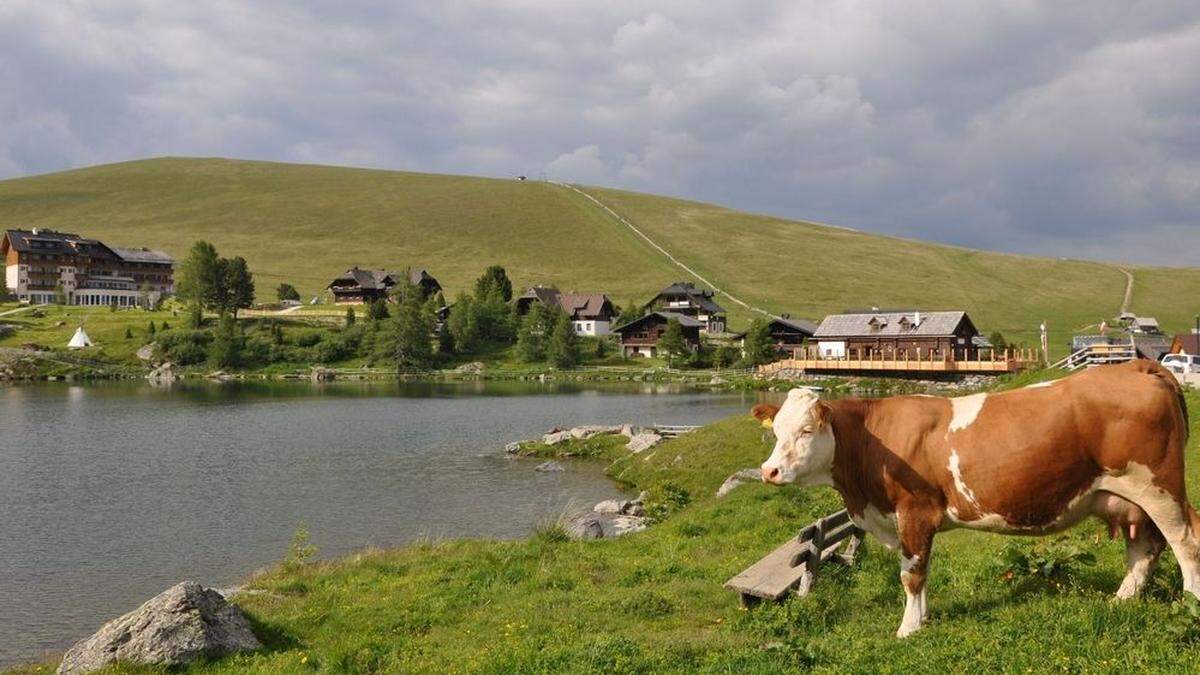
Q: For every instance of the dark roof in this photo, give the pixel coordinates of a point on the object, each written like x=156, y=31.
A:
x=892, y=324
x=583, y=305
x=39, y=239
x=24, y=241
x=702, y=297
x=367, y=279
x=144, y=255
x=683, y=319
x=547, y=295
x=418, y=275
x=801, y=325
x=578, y=305
x=1151, y=346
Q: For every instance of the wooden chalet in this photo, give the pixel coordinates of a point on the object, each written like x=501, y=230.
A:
x=897, y=334
x=684, y=297
x=786, y=333
x=640, y=337
x=591, y=313
x=358, y=286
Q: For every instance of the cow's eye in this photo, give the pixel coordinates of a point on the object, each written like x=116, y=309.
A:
x=806, y=431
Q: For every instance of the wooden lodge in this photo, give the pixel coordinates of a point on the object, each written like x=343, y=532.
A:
x=897, y=335
x=898, y=343
x=358, y=286
x=591, y=313
x=684, y=297
x=639, y=338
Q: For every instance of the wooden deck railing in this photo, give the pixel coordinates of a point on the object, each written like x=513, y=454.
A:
x=808, y=359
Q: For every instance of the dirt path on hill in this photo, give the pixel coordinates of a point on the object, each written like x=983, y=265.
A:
x=657, y=247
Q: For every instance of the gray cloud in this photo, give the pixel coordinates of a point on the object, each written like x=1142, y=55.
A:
x=1065, y=128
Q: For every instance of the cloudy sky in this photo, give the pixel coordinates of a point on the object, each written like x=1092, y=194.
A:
x=1057, y=128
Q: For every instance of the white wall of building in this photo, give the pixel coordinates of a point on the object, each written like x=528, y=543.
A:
x=10, y=277
x=593, y=328
x=832, y=349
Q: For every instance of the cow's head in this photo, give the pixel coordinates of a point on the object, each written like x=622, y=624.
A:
x=804, y=442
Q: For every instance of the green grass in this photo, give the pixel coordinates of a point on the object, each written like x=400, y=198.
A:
x=653, y=602
x=305, y=224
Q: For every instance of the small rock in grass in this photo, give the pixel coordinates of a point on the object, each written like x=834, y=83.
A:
x=587, y=528
x=750, y=475
x=556, y=437
x=513, y=448
x=622, y=525
x=613, y=506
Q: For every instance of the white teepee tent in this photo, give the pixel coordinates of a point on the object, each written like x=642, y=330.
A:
x=80, y=339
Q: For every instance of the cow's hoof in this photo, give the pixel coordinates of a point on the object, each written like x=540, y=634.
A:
x=905, y=630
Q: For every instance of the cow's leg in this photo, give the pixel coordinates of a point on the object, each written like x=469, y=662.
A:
x=1141, y=554
x=916, y=530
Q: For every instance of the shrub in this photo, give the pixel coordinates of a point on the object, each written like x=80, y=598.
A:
x=184, y=347
x=308, y=339
x=1051, y=563
x=300, y=551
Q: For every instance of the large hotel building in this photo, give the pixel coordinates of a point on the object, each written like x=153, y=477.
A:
x=39, y=264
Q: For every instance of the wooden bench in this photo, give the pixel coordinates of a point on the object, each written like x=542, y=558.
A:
x=794, y=564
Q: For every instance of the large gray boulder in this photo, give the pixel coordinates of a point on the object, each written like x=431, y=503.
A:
x=178, y=626
x=643, y=442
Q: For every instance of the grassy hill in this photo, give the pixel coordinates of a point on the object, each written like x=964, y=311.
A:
x=305, y=224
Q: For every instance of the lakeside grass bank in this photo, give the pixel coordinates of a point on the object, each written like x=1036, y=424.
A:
x=653, y=601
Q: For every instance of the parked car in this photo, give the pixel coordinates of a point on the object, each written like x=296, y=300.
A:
x=1181, y=363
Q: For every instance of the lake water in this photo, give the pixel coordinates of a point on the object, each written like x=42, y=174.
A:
x=110, y=493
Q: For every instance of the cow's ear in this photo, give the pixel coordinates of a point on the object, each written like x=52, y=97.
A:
x=823, y=415
x=765, y=413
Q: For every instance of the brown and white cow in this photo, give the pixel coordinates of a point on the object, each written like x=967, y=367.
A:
x=1107, y=442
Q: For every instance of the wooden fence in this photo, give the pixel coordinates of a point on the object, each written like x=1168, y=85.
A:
x=794, y=565
x=809, y=360
x=1097, y=355
x=675, y=430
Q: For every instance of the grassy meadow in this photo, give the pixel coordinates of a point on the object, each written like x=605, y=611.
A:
x=653, y=602
x=305, y=224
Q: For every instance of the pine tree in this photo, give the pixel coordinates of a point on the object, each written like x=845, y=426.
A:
x=758, y=346
x=462, y=325
x=672, y=344
x=494, y=284
x=150, y=330
x=225, y=350
x=238, y=285
x=287, y=292
x=201, y=277
x=406, y=340
x=377, y=310
x=629, y=312
x=128, y=333
x=534, y=333
x=350, y=317
x=195, y=317
x=562, y=350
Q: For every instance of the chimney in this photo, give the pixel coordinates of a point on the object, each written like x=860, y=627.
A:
x=917, y=318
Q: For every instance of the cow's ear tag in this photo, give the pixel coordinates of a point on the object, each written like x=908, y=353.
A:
x=768, y=424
